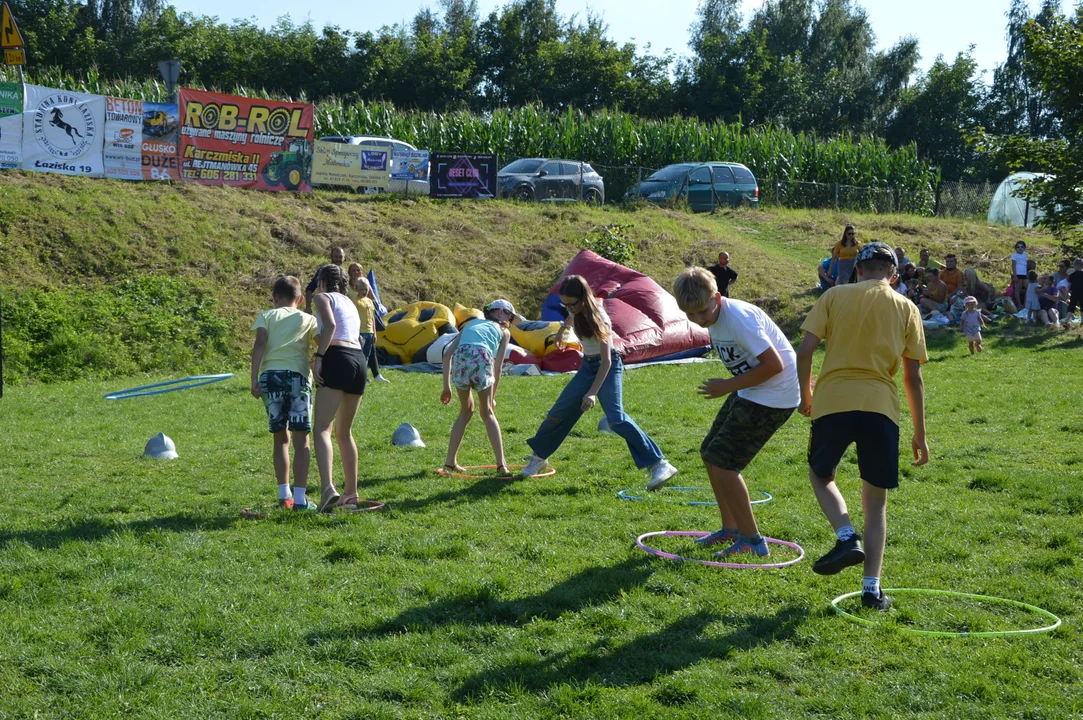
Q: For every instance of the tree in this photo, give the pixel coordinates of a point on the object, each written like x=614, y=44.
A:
x=940, y=112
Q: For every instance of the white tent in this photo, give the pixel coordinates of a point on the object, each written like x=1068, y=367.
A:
x=1008, y=207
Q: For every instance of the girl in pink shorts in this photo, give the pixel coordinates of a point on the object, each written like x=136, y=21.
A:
x=472, y=361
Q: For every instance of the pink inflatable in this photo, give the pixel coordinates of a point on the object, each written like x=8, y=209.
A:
x=646, y=320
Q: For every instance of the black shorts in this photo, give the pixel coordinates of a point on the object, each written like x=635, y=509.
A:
x=740, y=431
x=343, y=368
x=877, y=439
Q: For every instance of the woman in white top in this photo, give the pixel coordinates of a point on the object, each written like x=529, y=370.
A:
x=339, y=369
x=598, y=381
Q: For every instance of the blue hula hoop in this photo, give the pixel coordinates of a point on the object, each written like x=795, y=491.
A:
x=626, y=495
x=169, y=386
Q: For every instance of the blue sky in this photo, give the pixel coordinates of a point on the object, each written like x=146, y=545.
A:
x=944, y=27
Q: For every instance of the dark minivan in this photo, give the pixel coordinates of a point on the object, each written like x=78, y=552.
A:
x=704, y=185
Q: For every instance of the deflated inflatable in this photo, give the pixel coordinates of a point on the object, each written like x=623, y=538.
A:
x=463, y=314
x=411, y=329
x=538, y=337
x=647, y=324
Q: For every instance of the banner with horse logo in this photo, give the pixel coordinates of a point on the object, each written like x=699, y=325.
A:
x=123, y=138
x=11, y=125
x=63, y=132
x=230, y=140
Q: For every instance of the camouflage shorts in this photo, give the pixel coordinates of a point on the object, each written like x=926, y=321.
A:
x=288, y=399
x=740, y=431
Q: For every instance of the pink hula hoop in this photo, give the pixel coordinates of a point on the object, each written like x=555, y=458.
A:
x=370, y=505
x=712, y=563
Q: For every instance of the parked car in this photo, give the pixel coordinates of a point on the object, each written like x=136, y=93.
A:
x=551, y=180
x=704, y=185
x=413, y=187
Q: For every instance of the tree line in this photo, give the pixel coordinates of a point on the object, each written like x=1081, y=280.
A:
x=808, y=66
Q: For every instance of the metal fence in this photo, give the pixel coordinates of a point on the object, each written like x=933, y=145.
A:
x=955, y=198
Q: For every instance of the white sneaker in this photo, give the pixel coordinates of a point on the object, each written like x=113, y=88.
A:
x=534, y=465
x=660, y=472
x=381, y=378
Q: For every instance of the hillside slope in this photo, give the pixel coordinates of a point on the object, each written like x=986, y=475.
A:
x=94, y=273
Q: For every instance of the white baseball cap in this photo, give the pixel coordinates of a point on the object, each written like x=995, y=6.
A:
x=406, y=435
x=161, y=447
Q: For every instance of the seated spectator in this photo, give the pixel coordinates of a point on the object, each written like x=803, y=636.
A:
x=1047, y=300
x=828, y=273
x=1075, y=287
x=1063, y=270
x=900, y=255
x=924, y=261
x=1063, y=289
x=950, y=275
x=982, y=291
x=935, y=294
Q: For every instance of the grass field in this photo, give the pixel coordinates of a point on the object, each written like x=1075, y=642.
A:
x=134, y=588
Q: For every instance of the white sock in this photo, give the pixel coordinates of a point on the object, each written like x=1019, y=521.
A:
x=299, y=496
x=845, y=532
x=283, y=491
x=871, y=585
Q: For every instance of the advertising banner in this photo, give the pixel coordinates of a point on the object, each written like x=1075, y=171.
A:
x=11, y=125
x=63, y=132
x=230, y=140
x=410, y=165
x=459, y=175
x=351, y=166
x=159, y=147
x=123, y=157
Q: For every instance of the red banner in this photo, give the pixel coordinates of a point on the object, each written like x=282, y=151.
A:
x=230, y=140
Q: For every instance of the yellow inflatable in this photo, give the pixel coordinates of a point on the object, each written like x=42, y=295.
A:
x=463, y=313
x=411, y=329
x=537, y=337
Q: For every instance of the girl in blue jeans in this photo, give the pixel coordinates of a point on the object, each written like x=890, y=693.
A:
x=598, y=380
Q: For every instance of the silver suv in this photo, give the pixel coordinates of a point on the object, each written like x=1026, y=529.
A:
x=413, y=187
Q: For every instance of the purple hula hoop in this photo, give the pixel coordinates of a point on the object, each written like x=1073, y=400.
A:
x=712, y=563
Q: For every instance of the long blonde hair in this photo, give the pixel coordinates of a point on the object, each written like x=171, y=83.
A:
x=587, y=324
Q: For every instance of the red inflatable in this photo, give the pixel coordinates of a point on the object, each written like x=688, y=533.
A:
x=646, y=320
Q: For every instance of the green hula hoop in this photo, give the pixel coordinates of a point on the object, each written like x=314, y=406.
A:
x=944, y=633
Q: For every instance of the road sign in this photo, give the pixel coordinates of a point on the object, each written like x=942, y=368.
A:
x=10, y=37
x=15, y=57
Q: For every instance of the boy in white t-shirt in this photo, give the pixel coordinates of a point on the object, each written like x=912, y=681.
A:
x=763, y=393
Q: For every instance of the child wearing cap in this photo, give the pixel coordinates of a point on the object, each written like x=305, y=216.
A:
x=472, y=361
x=972, y=322
x=281, y=378
x=763, y=393
x=869, y=331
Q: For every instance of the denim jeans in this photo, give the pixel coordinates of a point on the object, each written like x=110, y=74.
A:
x=368, y=348
x=567, y=410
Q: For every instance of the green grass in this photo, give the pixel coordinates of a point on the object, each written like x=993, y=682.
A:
x=77, y=241
x=131, y=587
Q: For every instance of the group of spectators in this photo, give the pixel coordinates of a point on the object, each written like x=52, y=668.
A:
x=942, y=289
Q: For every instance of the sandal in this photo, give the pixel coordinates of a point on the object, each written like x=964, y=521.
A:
x=454, y=468
x=328, y=497
x=348, y=502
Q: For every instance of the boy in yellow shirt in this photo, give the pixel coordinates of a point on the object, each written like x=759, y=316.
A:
x=280, y=376
x=870, y=330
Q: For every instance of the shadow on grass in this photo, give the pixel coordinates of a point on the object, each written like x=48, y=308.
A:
x=676, y=646
x=373, y=481
x=95, y=529
x=592, y=586
x=479, y=489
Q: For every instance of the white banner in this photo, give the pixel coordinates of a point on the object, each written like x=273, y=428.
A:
x=11, y=125
x=63, y=132
x=123, y=155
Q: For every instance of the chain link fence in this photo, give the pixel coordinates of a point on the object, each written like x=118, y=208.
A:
x=955, y=198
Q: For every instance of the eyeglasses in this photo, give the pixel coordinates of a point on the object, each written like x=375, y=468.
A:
x=569, y=306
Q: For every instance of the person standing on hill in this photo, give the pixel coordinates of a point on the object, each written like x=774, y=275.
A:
x=844, y=254
x=870, y=330
x=724, y=275
x=1019, y=274
x=338, y=256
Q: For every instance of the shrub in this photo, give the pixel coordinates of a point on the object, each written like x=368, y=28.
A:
x=612, y=243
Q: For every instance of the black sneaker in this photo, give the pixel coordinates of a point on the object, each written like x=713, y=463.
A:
x=843, y=555
x=881, y=603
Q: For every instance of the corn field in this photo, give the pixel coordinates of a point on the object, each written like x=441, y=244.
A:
x=607, y=138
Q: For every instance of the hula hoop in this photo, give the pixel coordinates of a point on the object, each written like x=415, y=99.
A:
x=370, y=505
x=712, y=563
x=192, y=380
x=626, y=495
x=441, y=471
x=947, y=633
